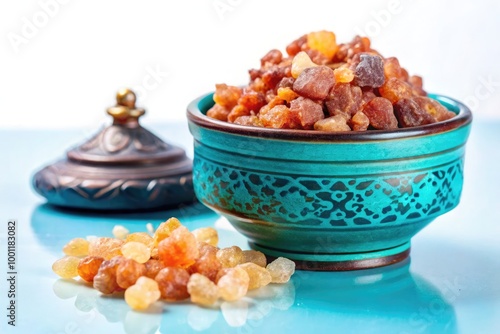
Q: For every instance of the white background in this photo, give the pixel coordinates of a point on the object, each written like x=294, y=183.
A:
x=65, y=71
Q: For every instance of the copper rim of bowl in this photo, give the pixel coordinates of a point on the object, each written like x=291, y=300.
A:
x=464, y=117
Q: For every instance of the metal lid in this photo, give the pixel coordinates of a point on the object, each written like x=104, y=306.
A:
x=123, y=167
x=125, y=141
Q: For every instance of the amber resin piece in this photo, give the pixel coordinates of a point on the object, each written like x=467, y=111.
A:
x=287, y=94
x=281, y=270
x=172, y=283
x=165, y=229
x=128, y=271
x=343, y=74
x=344, y=99
x=120, y=232
x=227, y=96
x=324, y=42
x=207, y=263
x=381, y=114
x=273, y=57
x=392, y=69
x=220, y=273
x=395, y=89
x=300, y=62
x=202, y=290
x=136, y=251
x=233, y=284
x=367, y=97
x=208, y=235
x=237, y=112
x=66, y=267
x=286, y=83
x=359, y=122
x=416, y=83
x=434, y=108
x=153, y=267
x=252, y=101
x=89, y=266
x=218, y=112
x=278, y=117
x=274, y=75
x=409, y=113
x=76, y=247
x=105, y=279
x=248, y=120
x=369, y=72
x=105, y=247
x=258, y=276
x=347, y=51
x=142, y=294
x=306, y=111
x=296, y=46
x=142, y=237
x=314, y=82
x=332, y=124
x=180, y=249
x=255, y=257
x=230, y=257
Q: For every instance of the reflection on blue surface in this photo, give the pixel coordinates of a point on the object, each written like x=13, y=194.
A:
x=177, y=317
x=382, y=298
x=90, y=302
x=388, y=298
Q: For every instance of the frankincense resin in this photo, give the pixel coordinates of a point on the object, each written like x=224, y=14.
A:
x=172, y=263
x=319, y=81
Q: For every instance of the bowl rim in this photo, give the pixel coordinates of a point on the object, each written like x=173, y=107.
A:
x=463, y=118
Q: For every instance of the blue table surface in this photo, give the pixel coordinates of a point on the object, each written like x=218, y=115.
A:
x=451, y=284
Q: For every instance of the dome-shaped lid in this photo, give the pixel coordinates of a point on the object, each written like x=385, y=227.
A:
x=123, y=167
x=125, y=141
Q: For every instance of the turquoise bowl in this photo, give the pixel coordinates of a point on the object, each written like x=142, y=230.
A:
x=329, y=201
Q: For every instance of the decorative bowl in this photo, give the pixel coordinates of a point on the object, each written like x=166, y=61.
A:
x=329, y=201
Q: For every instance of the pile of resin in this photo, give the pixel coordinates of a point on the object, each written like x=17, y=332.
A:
x=173, y=264
x=327, y=86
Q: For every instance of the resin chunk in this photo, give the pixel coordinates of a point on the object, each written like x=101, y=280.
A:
x=369, y=71
x=208, y=235
x=233, y=284
x=306, y=111
x=89, y=266
x=128, y=271
x=142, y=294
x=344, y=99
x=381, y=114
x=66, y=267
x=255, y=257
x=202, y=290
x=180, y=249
x=230, y=257
x=258, y=276
x=105, y=279
x=281, y=270
x=332, y=124
x=172, y=283
x=76, y=247
x=409, y=113
x=105, y=247
x=314, y=82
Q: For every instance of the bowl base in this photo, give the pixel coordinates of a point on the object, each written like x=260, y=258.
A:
x=339, y=262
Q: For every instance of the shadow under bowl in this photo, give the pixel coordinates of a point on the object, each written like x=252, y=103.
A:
x=329, y=201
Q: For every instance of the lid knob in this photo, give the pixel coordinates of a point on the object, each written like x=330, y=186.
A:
x=125, y=111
